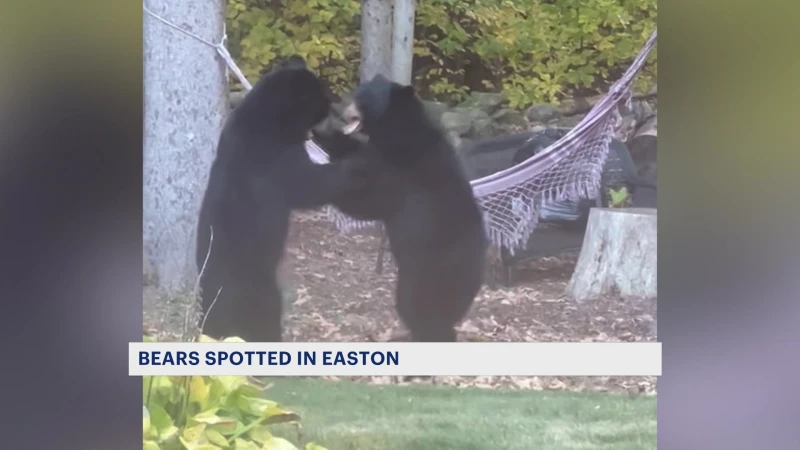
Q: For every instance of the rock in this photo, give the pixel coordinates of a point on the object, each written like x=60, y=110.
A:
x=487, y=102
x=474, y=113
x=566, y=122
x=457, y=122
x=542, y=112
x=578, y=105
x=435, y=109
x=644, y=152
x=537, y=128
x=641, y=110
x=627, y=128
x=649, y=127
x=510, y=117
x=500, y=113
x=482, y=123
x=593, y=100
x=463, y=121
x=570, y=106
x=651, y=92
x=482, y=126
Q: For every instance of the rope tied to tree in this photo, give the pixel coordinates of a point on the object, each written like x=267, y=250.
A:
x=220, y=47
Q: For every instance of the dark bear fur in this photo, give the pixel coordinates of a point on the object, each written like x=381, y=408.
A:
x=383, y=191
x=419, y=190
x=261, y=172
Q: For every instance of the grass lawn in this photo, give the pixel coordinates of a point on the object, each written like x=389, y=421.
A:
x=352, y=416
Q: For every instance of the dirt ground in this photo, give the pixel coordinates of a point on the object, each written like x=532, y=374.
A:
x=338, y=297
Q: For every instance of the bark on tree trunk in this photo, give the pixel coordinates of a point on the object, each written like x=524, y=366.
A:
x=376, y=39
x=185, y=104
x=403, y=41
x=619, y=255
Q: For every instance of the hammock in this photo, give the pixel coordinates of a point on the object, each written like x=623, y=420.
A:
x=568, y=170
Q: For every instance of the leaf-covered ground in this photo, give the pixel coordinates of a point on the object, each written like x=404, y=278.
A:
x=337, y=296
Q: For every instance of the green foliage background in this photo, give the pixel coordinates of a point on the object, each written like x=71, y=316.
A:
x=531, y=50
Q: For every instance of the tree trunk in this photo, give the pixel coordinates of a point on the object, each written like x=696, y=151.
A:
x=403, y=41
x=185, y=105
x=619, y=255
x=376, y=39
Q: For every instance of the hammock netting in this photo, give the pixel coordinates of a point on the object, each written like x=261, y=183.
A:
x=568, y=170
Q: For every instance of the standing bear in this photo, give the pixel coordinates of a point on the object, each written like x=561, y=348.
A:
x=416, y=186
x=261, y=173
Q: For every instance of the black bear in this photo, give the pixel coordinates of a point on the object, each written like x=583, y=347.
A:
x=420, y=192
x=261, y=172
x=379, y=197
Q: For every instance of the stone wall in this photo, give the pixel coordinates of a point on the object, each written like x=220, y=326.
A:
x=485, y=114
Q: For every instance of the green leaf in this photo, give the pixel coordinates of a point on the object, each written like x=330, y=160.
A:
x=159, y=418
x=250, y=390
x=313, y=446
x=146, y=426
x=196, y=438
x=241, y=444
x=150, y=445
x=216, y=438
x=618, y=197
x=161, y=390
x=194, y=433
x=208, y=417
x=227, y=428
x=277, y=443
x=256, y=406
x=260, y=434
x=198, y=390
x=230, y=382
x=168, y=433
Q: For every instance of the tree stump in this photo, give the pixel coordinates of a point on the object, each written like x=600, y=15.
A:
x=619, y=255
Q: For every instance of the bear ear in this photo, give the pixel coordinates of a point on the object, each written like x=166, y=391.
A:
x=404, y=92
x=407, y=91
x=295, y=62
x=379, y=78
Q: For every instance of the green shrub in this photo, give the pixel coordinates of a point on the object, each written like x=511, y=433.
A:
x=324, y=32
x=210, y=413
x=619, y=198
x=531, y=50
